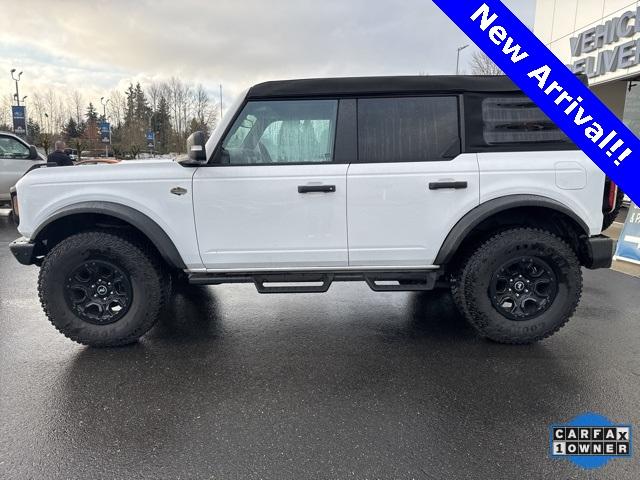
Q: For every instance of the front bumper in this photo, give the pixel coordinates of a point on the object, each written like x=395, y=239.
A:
x=600, y=251
x=23, y=250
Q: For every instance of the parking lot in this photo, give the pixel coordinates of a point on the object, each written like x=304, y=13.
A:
x=347, y=384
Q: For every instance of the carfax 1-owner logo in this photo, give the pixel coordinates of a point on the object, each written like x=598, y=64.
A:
x=590, y=441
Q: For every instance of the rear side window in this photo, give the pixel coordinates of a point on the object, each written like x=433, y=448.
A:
x=509, y=122
x=516, y=119
x=408, y=129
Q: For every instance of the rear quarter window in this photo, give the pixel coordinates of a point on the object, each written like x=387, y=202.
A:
x=504, y=122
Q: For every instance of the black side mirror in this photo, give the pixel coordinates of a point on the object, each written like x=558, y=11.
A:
x=196, y=147
x=33, y=153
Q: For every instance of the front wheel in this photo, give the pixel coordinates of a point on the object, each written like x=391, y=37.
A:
x=520, y=286
x=101, y=289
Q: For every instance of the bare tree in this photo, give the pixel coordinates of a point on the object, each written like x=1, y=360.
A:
x=5, y=110
x=77, y=105
x=116, y=107
x=481, y=64
x=154, y=92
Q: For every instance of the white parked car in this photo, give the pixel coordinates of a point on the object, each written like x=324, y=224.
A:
x=405, y=183
x=16, y=157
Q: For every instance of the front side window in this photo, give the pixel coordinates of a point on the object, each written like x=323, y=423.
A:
x=411, y=129
x=12, y=148
x=281, y=132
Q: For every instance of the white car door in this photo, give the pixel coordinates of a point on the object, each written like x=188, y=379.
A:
x=14, y=162
x=410, y=185
x=274, y=196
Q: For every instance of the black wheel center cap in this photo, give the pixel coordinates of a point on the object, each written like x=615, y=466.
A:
x=519, y=286
x=101, y=290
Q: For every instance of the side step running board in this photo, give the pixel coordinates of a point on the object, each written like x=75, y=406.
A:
x=319, y=282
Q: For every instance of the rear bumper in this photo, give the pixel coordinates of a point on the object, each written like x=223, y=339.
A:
x=23, y=250
x=600, y=251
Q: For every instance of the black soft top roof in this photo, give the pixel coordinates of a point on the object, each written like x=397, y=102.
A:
x=314, y=87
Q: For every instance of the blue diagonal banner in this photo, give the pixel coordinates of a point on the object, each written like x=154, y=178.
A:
x=552, y=86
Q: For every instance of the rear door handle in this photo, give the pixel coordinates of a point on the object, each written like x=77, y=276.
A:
x=441, y=185
x=316, y=188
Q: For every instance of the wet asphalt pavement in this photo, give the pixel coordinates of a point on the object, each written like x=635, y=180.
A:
x=348, y=384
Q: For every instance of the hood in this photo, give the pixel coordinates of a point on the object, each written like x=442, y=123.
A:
x=155, y=168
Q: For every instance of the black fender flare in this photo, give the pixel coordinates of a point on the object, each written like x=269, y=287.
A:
x=148, y=227
x=473, y=218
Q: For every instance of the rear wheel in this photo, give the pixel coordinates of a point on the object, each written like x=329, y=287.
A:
x=520, y=286
x=102, y=289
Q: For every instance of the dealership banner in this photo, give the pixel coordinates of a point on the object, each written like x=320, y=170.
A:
x=105, y=132
x=629, y=242
x=151, y=138
x=19, y=120
x=552, y=86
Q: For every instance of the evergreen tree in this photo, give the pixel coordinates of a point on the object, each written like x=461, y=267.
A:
x=142, y=111
x=71, y=129
x=130, y=108
x=91, y=114
x=33, y=131
x=161, y=124
x=81, y=128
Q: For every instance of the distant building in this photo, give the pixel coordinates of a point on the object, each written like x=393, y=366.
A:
x=600, y=38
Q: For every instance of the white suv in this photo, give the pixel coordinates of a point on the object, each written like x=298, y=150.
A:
x=406, y=183
x=16, y=158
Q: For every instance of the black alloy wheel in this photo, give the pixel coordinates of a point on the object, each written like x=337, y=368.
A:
x=98, y=292
x=523, y=288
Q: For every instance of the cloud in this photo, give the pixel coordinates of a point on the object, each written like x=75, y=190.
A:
x=95, y=46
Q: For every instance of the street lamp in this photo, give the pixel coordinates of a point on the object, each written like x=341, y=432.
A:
x=17, y=96
x=104, y=115
x=104, y=106
x=458, y=58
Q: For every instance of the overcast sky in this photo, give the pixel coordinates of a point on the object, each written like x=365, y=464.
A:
x=95, y=46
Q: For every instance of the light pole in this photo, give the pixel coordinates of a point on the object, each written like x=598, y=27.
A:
x=220, y=101
x=17, y=97
x=458, y=58
x=104, y=115
x=47, y=127
x=104, y=107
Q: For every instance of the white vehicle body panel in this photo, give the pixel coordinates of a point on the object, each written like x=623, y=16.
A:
x=568, y=177
x=12, y=169
x=395, y=219
x=252, y=216
x=142, y=185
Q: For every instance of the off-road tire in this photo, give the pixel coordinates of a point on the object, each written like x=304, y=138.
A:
x=471, y=289
x=147, y=280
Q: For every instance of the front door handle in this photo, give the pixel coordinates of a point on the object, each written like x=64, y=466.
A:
x=316, y=188
x=442, y=185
